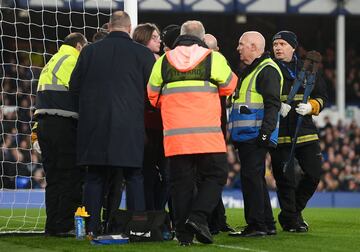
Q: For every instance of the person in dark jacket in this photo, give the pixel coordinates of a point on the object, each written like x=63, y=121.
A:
x=109, y=81
x=253, y=129
x=154, y=168
x=293, y=197
x=168, y=36
x=114, y=185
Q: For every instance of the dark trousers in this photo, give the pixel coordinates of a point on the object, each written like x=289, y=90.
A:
x=113, y=189
x=196, y=182
x=217, y=219
x=155, y=169
x=294, y=196
x=57, y=139
x=257, y=207
x=95, y=180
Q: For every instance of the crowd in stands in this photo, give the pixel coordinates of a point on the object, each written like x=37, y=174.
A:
x=340, y=143
x=20, y=165
x=352, y=84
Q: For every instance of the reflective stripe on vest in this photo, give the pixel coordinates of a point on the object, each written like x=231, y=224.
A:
x=53, y=87
x=205, y=88
x=300, y=139
x=58, y=112
x=194, y=130
x=246, y=126
x=297, y=97
x=57, y=67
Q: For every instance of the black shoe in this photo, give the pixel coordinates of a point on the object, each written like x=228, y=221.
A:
x=201, y=231
x=248, y=232
x=227, y=228
x=271, y=228
x=214, y=231
x=49, y=233
x=302, y=222
x=271, y=231
x=304, y=225
x=185, y=243
x=295, y=228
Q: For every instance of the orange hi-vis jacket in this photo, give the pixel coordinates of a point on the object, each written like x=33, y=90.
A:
x=185, y=84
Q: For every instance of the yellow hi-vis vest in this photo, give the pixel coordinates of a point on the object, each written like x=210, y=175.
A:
x=52, y=96
x=244, y=127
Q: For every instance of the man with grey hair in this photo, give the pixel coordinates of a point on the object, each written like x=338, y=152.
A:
x=193, y=28
x=253, y=126
x=186, y=84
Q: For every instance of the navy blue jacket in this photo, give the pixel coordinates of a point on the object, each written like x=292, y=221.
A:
x=109, y=80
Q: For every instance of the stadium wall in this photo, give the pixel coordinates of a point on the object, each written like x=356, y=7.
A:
x=320, y=7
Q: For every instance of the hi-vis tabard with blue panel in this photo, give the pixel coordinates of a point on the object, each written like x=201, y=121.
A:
x=247, y=111
x=52, y=96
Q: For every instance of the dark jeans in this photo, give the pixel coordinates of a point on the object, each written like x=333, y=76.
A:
x=257, y=207
x=57, y=139
x=95, y=180
x=113, y=189
x=217, y=219
x=196, y=182
x=155, y=169
x=292, y=196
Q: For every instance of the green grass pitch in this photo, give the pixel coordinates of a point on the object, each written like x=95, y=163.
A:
x=330, y=230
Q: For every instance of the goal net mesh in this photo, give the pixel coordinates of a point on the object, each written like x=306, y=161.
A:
x=31, y=32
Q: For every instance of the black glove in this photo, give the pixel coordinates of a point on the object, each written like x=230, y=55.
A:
x=263, y=139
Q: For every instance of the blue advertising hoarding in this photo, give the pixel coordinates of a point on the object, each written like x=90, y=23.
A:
x=231, y=199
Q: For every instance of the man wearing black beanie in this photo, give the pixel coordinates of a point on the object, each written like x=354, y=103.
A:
x=168, y=36
x=288, y=36
x=294, y=197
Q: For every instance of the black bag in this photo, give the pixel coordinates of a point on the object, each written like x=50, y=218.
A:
x=141, y=226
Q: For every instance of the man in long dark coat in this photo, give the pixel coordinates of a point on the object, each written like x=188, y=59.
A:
x=109, y=81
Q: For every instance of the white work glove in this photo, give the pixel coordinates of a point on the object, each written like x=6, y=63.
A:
x=284, y=110
x=36, y=147
x=303, y=108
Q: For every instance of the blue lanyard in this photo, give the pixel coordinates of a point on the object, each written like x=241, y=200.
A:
x=292, y=73
x=299, y=79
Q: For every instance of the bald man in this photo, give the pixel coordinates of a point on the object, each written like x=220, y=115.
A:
x=109, y=80
x=217, y=220
x=211, y=42
x=253, y=126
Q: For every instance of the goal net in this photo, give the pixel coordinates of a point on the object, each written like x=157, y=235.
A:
x=31, y=32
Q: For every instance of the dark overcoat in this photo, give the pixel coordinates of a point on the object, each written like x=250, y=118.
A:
x=109, y=81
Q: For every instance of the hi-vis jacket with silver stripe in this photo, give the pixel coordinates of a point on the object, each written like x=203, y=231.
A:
x=52, y=96
x=190, y=106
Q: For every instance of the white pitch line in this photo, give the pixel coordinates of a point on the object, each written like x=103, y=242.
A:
x=238, y=248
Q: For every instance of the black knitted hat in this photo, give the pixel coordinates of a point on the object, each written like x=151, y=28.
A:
x=169, y=35
x=288, y=36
